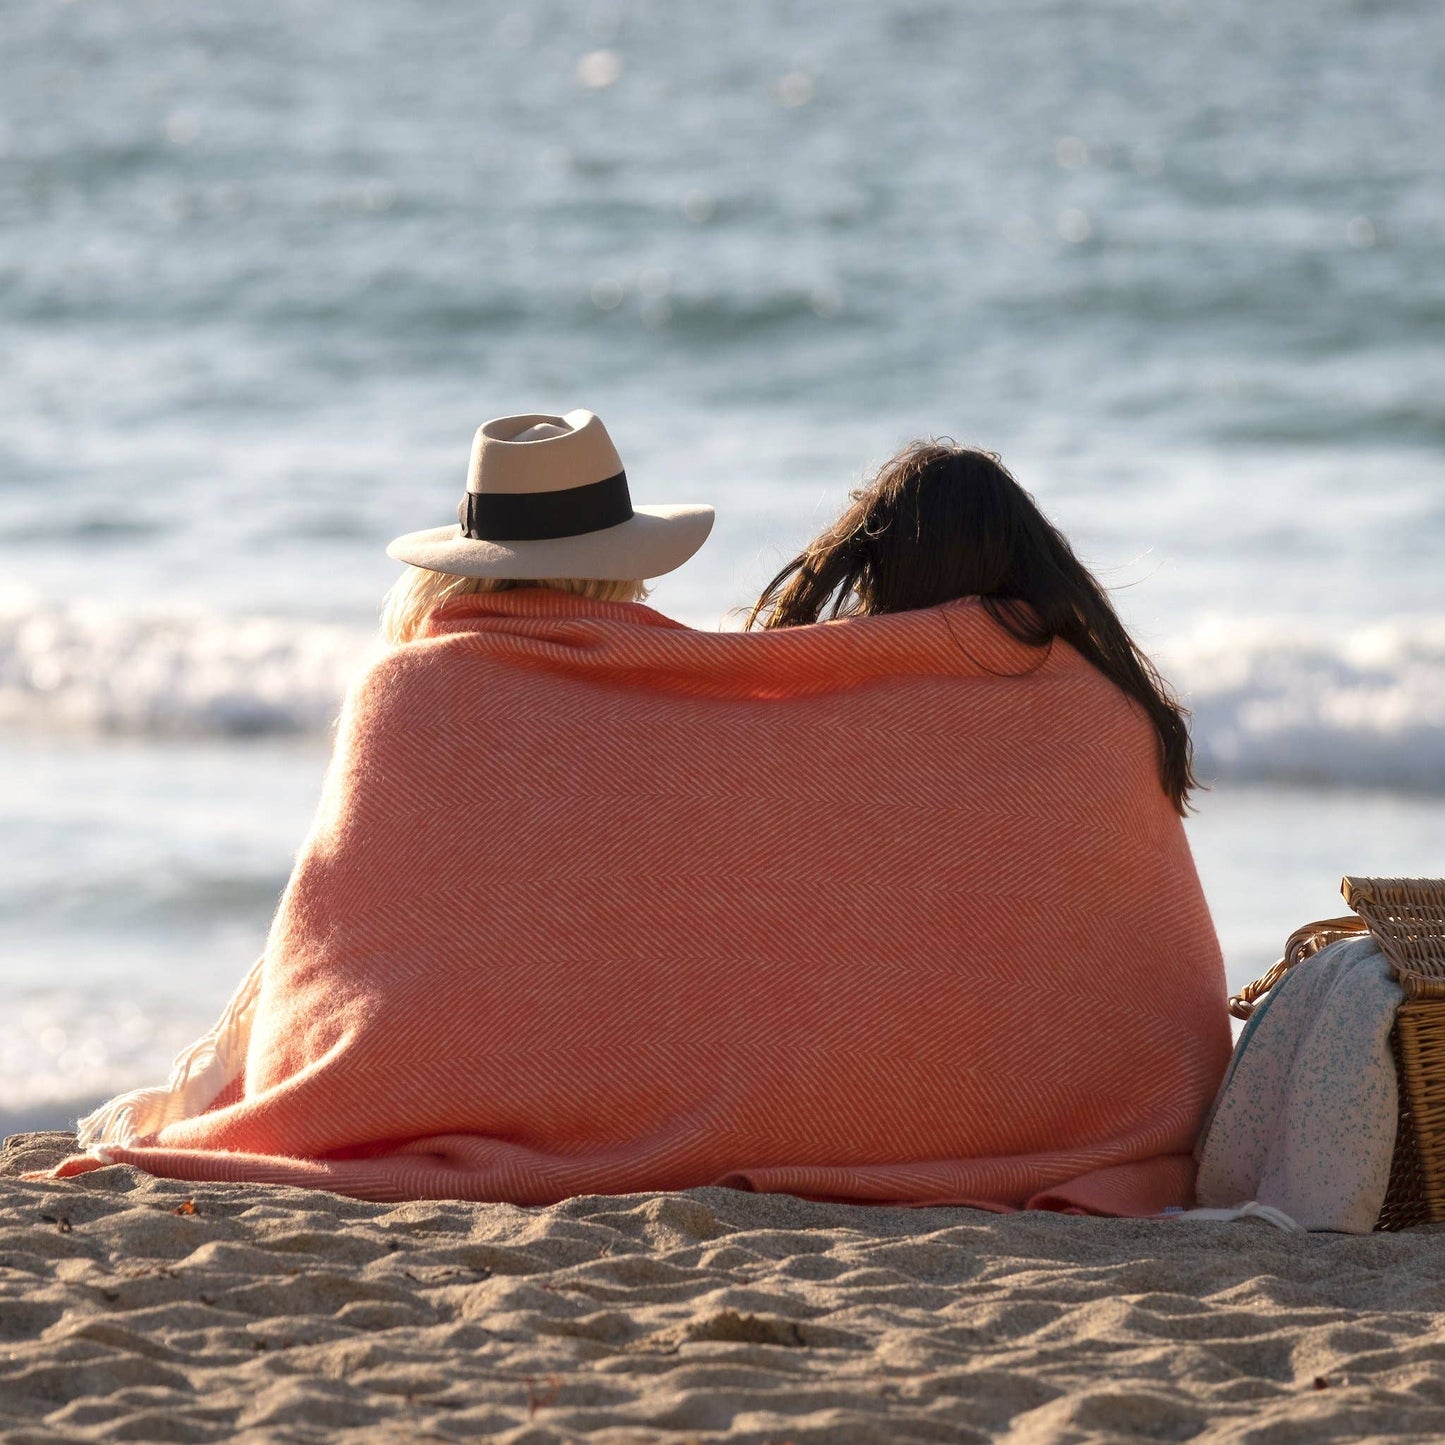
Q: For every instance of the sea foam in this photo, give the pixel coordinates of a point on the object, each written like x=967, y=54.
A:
x=1290, y=702
x=1273, y=701
x=90, y=667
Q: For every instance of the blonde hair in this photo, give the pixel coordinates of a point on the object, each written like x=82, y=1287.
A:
x=418, y=590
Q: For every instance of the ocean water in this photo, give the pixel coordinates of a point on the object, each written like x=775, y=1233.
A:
x=263, y=269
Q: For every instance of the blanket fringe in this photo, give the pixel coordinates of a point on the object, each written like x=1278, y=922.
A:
x=198, y=1075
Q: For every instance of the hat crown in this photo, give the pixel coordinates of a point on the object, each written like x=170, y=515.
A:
x=534, y=452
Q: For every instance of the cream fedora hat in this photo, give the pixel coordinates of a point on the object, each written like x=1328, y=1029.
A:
x=547, y=497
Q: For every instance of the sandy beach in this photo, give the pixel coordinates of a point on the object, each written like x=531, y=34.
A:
x=143, y=1309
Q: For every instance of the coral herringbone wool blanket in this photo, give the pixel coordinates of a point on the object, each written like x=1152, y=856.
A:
x=887, y=909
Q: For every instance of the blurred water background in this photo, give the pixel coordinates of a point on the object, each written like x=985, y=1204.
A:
x=264, y=267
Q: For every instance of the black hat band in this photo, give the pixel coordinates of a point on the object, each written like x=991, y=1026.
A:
x=538, y=516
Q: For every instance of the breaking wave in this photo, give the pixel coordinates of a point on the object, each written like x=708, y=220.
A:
x=1273, y=701
x=85, y=666
x=1286, y=702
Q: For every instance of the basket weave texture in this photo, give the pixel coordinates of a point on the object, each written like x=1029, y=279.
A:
x=1406, y=917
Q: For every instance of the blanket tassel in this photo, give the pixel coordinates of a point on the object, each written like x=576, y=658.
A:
x=198, y=1075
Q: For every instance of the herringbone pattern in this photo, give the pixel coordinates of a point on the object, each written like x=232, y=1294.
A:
x=879, y=910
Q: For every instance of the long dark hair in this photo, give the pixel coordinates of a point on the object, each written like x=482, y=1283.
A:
x=939, y=522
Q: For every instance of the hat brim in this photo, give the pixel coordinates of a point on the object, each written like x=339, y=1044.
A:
x=655, y=540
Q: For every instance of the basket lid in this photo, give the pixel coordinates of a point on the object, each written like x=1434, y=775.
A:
x=1406, y=916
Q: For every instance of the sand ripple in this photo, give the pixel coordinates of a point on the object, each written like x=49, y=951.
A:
x=134, y=1308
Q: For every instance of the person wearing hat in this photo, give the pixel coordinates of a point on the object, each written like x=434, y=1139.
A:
x=547, y=505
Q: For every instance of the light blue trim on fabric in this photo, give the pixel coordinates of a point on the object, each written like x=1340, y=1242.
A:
x=1261, y=1007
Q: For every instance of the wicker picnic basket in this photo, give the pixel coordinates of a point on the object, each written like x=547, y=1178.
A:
x=1406, y=916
